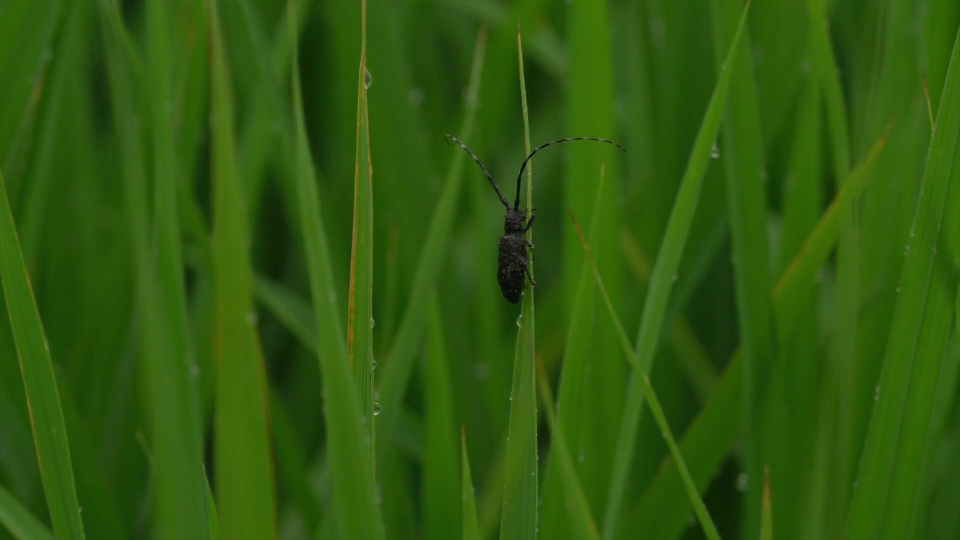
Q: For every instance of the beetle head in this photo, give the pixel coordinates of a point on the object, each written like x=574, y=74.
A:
x=515, y=221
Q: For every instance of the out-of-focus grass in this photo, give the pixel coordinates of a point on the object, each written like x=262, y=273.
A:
x=147, y=233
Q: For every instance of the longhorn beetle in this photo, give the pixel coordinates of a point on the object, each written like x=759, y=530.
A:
x=513, y=266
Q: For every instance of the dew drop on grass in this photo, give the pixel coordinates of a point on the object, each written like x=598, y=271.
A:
x=876, y=393
x=520, y=319
x=906, y=250
x=373, y=364
x=372, y=322
x=367, y=78
x=376, y=408
x=715, y=151
x=743, y=482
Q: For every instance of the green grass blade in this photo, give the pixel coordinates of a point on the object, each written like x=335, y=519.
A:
x=399, y=364
x=653, y=402
x=708, y=439
x=519, y=517
x=887, y=481
x=354, y=495
x=244, y=481
x=19, y=521
x=746, y=200
x=664, y=271
x=572, y=401
x=843, y=342
x=440, y=483
x=360, y=301
x=590, y=106
x=468, y=497
x=39, y=381
x=572, y=397
x=293, y=312
x=575, y=499
x=176, y=433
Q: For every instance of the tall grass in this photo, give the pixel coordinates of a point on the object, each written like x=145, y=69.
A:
x=248, y=291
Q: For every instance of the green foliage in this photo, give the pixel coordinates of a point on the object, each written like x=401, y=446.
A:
x=205, y=206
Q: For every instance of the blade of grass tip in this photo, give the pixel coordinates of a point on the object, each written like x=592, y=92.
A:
x=468, y=497
x=892, y=458
x=572, y=396
x=399, y=363
x=651, y=397
x=360, y=301
x=440, y=508
x=576, y=500
x=662, y=508
x=354, y=491
x=39, y=381
x=766, y=514
x=245, y=485
x=519, y=517
x=743, y=165
x=176, y=432
x=664, y=270
x=19, y=521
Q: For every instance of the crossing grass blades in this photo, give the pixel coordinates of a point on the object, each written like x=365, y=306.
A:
x=513, y=267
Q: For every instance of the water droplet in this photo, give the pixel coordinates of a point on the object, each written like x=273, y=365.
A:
x=372, y=322
x=415, y=97
x=511, y=396
x=46, y=345
x=581, y=458
x=715, y=151
x=373, y=364
x=533, y=473
x=743, y=482
x=906, y=249
x=519, y=319
x=376, y=408
x=252, y=317
x=80, y=509
x=367, y=78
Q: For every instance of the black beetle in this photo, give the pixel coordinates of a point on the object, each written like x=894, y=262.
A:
x=513, y=266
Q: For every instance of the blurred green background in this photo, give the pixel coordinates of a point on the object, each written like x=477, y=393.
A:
x=112, y=141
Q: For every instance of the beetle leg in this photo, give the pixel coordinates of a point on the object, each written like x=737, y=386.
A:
x=529, y=243
x=532, y=281
x=529, y=223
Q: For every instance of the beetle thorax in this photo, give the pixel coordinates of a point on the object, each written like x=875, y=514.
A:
x=515, y=220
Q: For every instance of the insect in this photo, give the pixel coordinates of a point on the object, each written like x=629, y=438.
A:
x=513, y=266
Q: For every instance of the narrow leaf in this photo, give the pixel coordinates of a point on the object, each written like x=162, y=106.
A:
x=354, y=492
x=39, y=381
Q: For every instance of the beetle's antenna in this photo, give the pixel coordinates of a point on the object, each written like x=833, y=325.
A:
x=516, y=203
x=480, y=163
